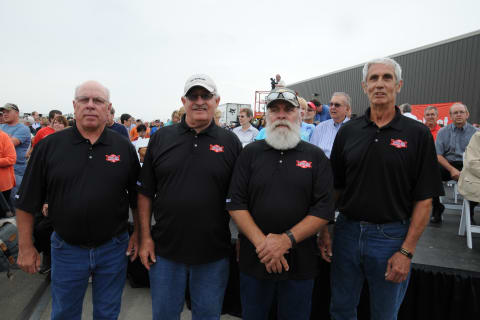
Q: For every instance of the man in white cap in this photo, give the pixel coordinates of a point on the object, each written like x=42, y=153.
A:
x=184, y=179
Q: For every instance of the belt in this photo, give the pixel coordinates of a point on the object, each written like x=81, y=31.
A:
x=93, y=245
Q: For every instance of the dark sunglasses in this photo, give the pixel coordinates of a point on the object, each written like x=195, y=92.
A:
x=336, y=104
x=194, y=97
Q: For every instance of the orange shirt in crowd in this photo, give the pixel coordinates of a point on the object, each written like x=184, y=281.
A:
x=134, y=134
x=434, y=132
x=8, y=157
x=42, y=133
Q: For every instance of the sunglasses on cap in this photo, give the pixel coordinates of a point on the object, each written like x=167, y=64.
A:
x=285, y=95
x=9, y=106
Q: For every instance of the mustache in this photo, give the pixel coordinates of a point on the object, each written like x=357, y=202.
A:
x=199, y=107
x=281, y=123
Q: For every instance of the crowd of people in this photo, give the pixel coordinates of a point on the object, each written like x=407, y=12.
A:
x=281, y=183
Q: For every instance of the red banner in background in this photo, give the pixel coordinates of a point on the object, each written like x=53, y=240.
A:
x=443, y=112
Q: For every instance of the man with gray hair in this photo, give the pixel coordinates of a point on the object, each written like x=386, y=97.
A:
x=385, y=176
x=111, y=124
x=325, y=132
x=431, y=116
x=450, y=146
x=88, y=174
x=406, y=110
x=280, y=195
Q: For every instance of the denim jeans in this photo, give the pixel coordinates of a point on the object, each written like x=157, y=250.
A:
x=361, y=252
x=168, y=280
x=71, y=268
x=294, y=298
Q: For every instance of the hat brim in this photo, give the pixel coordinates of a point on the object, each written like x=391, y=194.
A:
x=282, y=99
x=199, y=84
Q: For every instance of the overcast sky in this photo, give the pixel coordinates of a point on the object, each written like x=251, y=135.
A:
x=143, y=51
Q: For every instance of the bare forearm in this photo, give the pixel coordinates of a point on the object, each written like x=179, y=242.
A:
x=25, y=222
x=15, y=141
x=444, y=162
x=247, y=226
x=307, y=227
x=418, y=223
x=144, y=213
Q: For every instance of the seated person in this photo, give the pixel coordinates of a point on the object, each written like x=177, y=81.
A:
x=450, y=145
x=469, y=181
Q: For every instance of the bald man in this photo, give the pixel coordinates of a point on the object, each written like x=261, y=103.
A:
x=88, y=174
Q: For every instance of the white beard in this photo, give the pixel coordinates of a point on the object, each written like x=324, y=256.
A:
x=281, y=138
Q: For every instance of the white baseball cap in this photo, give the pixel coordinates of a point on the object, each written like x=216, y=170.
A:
x=201, y=80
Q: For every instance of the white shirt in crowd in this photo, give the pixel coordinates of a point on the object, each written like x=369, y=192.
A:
x=246, y=136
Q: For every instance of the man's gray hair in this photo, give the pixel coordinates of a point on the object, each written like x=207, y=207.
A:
x=406, y=107
x=458, y=104
x=385, y=61
x=105, y=88
x=430, y=108
x=347, y=97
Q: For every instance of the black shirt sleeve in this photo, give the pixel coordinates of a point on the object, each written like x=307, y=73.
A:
x=237, y=198
x=133, y=178
x=147, y=181
x=428, y=183
x=33, y=190
x=337, y=161
x=322, y=193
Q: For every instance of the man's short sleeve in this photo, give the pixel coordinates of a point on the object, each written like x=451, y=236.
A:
x=322, y=205
x=237, y=198
x=428, y=184
x=133, y=176
x=33, y=190
x=23, y=134
x=337, y=160
x=147, y=182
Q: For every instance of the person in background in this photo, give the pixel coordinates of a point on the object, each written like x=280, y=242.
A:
x=323, y=112
x=59, y=123
x=8, y=157
x=36, y=117
x=20, y=137
x=279, y=82
x=43, y=132
x=245, y=132
x=325, y=132
x=469, y=181
x=307, y=128
x=126, y=120
x=111, y=124
x=217, y=117
x=28, y=121
x=431, y=116
x=141, y=140
x=310, y=113
x=450, y=145
x=406, y=110
x=1, y=118
x=175, y=118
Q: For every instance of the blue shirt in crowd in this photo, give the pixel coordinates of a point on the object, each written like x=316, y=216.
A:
x=324, y=135
x=305, y=132
x=324, y=115
x=22, y=133
x=452, y=141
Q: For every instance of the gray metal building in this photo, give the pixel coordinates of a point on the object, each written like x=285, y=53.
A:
x=446, y=71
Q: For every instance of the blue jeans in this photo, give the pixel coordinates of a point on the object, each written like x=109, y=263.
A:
x=168, y=280
x=361, y=252
x=13, y=192
x=71, y=268
x=294, y=298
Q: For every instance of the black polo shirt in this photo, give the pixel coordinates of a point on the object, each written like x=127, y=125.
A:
x=279, y=189
x=383, y=171
x=187, y=175
x=89, y=187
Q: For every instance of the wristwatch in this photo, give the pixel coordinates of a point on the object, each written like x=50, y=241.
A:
x=292, y=238
x=406, y=253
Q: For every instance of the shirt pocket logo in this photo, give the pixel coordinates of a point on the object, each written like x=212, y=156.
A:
x=399, y=144
x=304, y=164
x=216, y=148
x=112, y=158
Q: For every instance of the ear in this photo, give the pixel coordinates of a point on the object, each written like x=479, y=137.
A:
x=399, y=86
x=217, y=100
x=364, y=87
x=184, y=100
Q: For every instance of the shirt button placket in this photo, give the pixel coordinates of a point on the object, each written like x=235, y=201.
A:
x=281, y=158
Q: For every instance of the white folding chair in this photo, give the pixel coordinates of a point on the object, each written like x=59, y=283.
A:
x=465, y=224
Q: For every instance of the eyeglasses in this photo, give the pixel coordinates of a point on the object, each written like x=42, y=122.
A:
x=335, y=104
x=194, y=97
x=96, y=100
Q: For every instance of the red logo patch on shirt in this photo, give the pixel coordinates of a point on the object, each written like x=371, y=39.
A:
x=399, y=144
x=216, y=148
x=112, y=158
x=304, y=164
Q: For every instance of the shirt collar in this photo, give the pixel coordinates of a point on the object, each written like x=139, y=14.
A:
x=298, y=147
x=211, y=130
x=395, y=124
x=104, y=138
